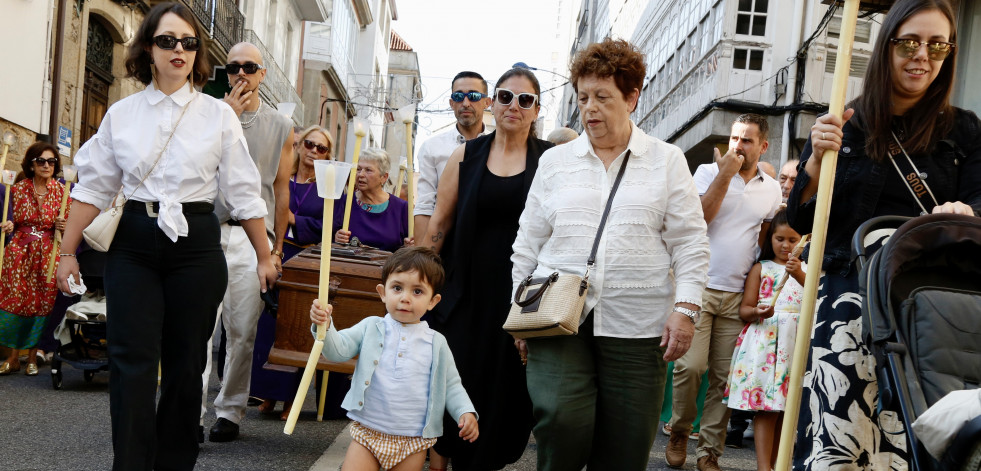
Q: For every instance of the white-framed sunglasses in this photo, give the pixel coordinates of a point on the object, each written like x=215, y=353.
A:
x=505, y=97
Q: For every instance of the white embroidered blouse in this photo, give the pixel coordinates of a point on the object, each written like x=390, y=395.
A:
x=655, y=225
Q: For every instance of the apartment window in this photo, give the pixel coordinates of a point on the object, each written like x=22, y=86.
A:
x=271, y=22
x=863, y=28
x=747, y=59
x=289, y=63
x=717, y=19
x=751, y=19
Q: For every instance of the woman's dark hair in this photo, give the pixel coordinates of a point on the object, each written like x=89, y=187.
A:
x=35, y=151
x=611, y=58
x=766, y=251
x=138, y=58
x=932, y=116
x=522, y=72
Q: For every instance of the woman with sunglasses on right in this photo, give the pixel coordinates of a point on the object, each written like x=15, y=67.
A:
x=902, y=120
x=481, y=195
x=169, y=150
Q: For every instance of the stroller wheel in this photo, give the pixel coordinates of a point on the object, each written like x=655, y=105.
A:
x=974, y=459
x=88, y=375
x=56, y=378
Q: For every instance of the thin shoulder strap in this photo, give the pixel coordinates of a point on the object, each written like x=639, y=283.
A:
x=606, y=212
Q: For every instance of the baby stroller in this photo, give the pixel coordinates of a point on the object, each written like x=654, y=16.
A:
x=921, y=286
x=83, y=331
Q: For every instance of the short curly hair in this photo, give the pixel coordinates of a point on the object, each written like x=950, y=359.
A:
x=36, y=150
x=611, y=58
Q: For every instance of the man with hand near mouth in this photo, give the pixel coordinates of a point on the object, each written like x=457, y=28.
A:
x=269, y=136
x=468, y=99
x=738, y=202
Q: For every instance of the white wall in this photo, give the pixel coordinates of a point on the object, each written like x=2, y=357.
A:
x=23, y=26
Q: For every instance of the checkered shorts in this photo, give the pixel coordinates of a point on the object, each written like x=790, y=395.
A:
x=389, y=450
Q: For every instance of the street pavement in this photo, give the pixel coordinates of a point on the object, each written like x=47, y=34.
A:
x=68, y=430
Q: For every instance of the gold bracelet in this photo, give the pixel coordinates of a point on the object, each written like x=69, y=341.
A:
x=279, y=253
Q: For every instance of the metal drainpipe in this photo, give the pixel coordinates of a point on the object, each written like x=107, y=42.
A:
x=789, y=95
x=56, y=73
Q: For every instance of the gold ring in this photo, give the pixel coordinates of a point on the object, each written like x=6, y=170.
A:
x=823, y=136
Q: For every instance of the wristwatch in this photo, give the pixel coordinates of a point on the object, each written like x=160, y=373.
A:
x=278, y=253
x=690, y=314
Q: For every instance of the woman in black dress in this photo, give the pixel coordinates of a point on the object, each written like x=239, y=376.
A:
x=904, y=116
x=480, y=198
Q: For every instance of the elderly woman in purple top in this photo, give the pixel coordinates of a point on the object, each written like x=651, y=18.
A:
x=378, y=219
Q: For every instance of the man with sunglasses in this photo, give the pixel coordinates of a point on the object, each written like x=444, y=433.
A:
x=269, y=136
x=468, y=100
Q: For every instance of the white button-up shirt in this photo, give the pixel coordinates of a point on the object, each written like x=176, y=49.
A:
x=655, y=224
x=207, y=154
x=398, y=393
x=432, y=157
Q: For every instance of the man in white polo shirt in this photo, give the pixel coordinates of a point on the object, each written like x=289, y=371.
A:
x=468, y=99
x=738, y=200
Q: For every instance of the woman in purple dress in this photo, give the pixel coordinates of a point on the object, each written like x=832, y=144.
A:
x=305, y=229
x=378, y=219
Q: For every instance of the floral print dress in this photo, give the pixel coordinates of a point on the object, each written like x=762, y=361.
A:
x=758, y=375
x=26, y=298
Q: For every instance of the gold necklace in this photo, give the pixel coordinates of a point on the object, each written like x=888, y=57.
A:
x=36, y=193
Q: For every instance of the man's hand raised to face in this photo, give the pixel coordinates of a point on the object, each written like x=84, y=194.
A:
x=730, y=163
x=238, y=98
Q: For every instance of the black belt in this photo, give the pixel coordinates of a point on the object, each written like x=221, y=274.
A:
x=152, y=208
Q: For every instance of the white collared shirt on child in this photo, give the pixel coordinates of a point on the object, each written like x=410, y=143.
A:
x=396, y=400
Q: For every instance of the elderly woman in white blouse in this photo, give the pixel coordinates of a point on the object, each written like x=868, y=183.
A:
x=171, y=149
x=597, y=395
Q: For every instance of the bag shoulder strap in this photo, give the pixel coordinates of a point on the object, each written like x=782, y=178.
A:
x=606, y=212
x=913, y=178
x=155, y=162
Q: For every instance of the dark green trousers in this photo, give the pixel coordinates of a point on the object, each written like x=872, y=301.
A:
x=596, y=400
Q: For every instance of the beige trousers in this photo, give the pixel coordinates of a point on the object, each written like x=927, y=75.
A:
x=715, y=340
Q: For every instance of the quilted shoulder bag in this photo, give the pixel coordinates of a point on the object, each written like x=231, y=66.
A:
x=100, y=232
x=552, y=305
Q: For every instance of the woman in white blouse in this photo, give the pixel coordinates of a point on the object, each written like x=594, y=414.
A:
x=597, y=395
x=165, y=272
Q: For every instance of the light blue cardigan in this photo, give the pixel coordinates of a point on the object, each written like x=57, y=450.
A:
x=366, y=339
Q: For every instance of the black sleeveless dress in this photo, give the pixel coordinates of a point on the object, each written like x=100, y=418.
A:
x=478, y=262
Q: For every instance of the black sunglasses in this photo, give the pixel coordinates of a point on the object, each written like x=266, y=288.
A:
x=525, y=100
x=936, y=50
x=168, y=42
x=473, y=95
x=310, y=145
x=41, y=161
x=249, y=68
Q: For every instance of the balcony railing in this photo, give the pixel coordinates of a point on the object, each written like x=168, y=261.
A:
x=221, y=18
x=276, y=87
x=228, y=27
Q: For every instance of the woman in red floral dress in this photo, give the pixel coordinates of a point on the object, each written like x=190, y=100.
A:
x=25, y=296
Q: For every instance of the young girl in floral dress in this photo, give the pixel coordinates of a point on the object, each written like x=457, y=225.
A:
x=758, y=376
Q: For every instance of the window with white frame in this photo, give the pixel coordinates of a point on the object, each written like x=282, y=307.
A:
x=747, y=59
x=751, y=19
